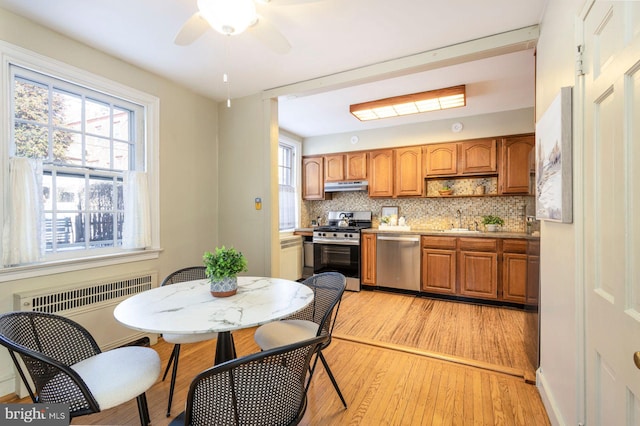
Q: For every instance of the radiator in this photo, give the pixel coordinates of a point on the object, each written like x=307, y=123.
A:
x=90, y=304
x=291, y=257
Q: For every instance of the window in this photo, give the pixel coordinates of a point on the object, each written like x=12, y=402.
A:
x=87, y=133
x=86, y=140
x=288, y=184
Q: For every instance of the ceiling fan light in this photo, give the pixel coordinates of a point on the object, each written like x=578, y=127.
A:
x=229, y=17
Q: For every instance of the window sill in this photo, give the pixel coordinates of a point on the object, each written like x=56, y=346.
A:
x=61, y=266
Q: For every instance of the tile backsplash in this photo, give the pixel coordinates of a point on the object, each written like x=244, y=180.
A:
x=430, y=213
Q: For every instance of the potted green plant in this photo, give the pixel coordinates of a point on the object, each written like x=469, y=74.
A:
x=223, y=266
x=492, y=222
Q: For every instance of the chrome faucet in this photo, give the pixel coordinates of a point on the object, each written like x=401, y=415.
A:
x=459, y=215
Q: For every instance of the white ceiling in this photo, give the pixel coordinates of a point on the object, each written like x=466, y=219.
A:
x=327, y=37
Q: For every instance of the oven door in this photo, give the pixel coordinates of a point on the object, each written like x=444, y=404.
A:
x=345, y=259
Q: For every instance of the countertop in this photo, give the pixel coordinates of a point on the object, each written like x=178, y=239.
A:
x=435, y=232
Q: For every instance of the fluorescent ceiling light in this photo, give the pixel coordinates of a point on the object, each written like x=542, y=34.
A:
x=433, y=100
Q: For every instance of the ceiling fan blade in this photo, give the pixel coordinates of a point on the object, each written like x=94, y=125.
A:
x=191, y=30
x=268, y=34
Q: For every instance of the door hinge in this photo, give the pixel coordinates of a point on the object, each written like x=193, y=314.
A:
x=580, y=51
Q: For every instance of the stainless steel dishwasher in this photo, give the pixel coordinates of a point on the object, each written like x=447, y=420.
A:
x=398, y=261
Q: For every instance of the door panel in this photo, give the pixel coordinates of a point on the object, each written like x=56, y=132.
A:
x=611, y=206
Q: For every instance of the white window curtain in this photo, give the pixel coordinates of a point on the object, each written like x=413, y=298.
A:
x=136, y=230
x=22, y=235
x=287, y=207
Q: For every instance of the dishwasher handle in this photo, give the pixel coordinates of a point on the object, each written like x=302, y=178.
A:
x=399, y=238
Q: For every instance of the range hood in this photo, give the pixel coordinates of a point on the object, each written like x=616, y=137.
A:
x=358, y=185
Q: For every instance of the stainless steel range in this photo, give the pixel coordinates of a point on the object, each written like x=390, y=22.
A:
x=336, y=246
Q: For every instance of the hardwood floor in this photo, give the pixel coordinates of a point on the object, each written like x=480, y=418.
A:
x=487, y=336
x=378, y=358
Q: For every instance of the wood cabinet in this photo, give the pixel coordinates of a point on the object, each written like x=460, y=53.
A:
x=313, y=178
x=409, y=180
x=478, y=156
x=533, y=273
x=472, y=157
x=356, y=166
x=516, y=154
x=514, y=277
x=504, y=269
x=478, y=267
x=368, y=259
x=334, y=168
x=441, y=159
x=396, y=173
x=514, y=270
x=341, y=167
x=438, y=273
x=381, y=173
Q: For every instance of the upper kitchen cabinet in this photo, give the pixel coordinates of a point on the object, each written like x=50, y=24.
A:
x=312, y=178
x=396, y=172
x=442, y=159
x=478, y=156
x=356, y=164
x=341, y=167
x=409, y=180
x=473, y=157
x=381, y=173
x=334, y=168
x=516, y=154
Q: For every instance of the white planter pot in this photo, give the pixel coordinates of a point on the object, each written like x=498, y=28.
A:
x=492, y=228
x=223, y=288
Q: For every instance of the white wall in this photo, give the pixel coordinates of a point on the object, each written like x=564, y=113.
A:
x=486, y=125
x=560, y=315
x=248, y=170
x=188, y=165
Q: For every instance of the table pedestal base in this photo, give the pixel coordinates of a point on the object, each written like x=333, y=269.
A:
x=225, y=349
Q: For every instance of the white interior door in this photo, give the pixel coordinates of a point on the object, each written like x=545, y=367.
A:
x=612, y=211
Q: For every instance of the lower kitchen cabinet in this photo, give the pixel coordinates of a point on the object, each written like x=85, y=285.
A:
x=514, y=277
x=368, y=259
x=438, y=265
x=514, y=270
x=478, y=267
x=533, y=273
x=439, y=271
x=478, y=274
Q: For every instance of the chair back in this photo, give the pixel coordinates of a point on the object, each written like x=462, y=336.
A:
x=328, y=288
x=265, y=388
x=185, y=274
x=48, y=345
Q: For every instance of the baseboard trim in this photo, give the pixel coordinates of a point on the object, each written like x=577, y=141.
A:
x=549, y=402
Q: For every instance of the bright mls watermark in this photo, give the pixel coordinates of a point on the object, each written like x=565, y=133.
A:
x=35, y=414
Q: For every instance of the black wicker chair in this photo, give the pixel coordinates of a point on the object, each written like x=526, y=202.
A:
x=185, y=274
x=315, y=320
x=262, y=389
x=67, y=366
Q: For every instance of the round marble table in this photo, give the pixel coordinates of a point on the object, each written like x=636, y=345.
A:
x=189, y=308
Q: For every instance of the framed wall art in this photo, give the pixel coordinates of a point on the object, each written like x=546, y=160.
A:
x=554, y=195
x=389, y=215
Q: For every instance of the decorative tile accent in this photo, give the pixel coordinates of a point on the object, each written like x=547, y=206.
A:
x=431, y=213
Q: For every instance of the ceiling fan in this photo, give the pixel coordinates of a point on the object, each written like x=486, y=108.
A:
x=233, y=17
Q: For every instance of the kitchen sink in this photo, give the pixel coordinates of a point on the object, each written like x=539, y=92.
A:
x=461, y=231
